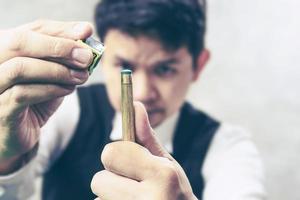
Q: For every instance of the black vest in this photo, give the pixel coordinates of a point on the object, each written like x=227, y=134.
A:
x=70, y=176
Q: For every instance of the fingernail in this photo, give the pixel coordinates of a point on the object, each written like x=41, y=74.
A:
x=80, y=28
x=79, y=75
x=82, y=55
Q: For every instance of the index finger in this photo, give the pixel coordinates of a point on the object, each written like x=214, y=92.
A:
x=32, y=44
x=70, y=30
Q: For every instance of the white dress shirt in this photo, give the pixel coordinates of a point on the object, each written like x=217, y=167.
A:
x=232, y=169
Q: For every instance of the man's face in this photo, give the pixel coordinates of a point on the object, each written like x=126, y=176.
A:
x=160, y=78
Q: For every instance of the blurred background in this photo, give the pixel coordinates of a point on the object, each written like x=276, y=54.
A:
x=253, y=78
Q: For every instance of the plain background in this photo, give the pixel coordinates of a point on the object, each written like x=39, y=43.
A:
x=253, y=78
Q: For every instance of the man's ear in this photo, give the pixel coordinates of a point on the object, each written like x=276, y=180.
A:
x=201, y=63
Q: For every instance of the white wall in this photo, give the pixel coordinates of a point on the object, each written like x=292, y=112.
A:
x=251, y=80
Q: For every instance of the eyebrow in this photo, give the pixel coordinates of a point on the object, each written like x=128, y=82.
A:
x=126, y=63
x=129, y=64
x=168, y=61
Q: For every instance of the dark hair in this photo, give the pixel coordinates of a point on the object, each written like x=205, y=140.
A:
x=175, y=23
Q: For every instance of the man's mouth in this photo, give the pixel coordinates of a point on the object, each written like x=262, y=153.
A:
x=154, y=111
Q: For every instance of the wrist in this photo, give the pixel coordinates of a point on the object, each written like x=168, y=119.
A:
x=10, y=165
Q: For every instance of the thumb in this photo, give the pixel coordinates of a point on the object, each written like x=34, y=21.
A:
x=145, y=135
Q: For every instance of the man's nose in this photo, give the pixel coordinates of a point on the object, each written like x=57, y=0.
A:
x=143, y=88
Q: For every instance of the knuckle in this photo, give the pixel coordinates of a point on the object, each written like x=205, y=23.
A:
x=38, y=24
x=18, y=94
x=170, y=173
x=60, y=48
x=58, y=73
x=16, y=41
x=17, y=71
x=50, y=90
x=47, y=26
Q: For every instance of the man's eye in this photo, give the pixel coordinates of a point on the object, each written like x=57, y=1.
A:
x=165, y=71
x=126, y=67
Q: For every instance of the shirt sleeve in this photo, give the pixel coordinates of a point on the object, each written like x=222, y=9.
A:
x=233, y=168
x=54, y=138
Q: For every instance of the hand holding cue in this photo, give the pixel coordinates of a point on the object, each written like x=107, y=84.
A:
x=127, y=109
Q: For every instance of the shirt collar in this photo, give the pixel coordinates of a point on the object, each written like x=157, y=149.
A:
x=164, y=132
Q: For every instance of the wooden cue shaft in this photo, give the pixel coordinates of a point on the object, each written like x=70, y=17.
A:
x=127, y=109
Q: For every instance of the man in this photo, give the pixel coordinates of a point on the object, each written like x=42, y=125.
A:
x=162, y=42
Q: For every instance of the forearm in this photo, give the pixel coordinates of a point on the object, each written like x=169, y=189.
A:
x=8, y=161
